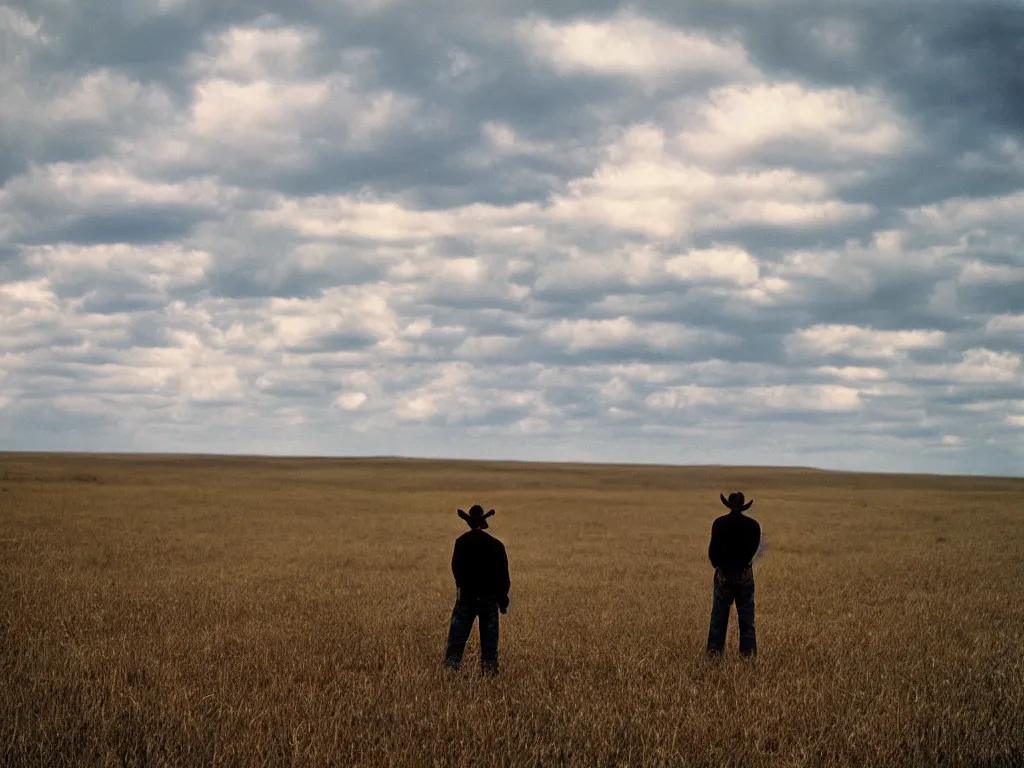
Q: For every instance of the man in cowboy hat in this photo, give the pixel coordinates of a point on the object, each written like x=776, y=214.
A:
x=480, y=567
x=734, y=542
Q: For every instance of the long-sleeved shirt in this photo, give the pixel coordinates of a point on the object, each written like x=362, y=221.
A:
x=734, y=541
x=480, y=566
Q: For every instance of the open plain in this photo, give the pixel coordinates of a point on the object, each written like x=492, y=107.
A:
x=245, y=611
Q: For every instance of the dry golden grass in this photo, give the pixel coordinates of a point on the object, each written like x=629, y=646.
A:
x=221, y=611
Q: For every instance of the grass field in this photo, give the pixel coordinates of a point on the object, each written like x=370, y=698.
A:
x=225, y=611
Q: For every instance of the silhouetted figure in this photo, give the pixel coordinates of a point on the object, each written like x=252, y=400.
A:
x=480, y=567
x=734, y=542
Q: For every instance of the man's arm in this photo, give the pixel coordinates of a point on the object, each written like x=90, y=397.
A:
x=458, y=562
x=715, y=547
x=504, y=583
x=755, y=539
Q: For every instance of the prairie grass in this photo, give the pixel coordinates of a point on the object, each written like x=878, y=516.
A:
x=228, y=611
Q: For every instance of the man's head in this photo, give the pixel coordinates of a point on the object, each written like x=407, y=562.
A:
x=476, y=518
x=735, y=502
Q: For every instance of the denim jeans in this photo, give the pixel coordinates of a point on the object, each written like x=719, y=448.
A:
x=738, y=589
x=468, y=608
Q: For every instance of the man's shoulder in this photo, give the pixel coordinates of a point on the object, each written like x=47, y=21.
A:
x=491, y=540
x=483, y=537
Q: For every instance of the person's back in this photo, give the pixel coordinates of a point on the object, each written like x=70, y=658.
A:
x=480, y=565
x=734, y=542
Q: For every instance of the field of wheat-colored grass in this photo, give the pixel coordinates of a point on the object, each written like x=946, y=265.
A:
x=229, y=611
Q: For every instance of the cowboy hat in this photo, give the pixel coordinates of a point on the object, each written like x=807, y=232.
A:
x=735, y=502
x=476, y=518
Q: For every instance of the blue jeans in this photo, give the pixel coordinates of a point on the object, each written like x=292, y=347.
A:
x=738, y=589
x=468, y=608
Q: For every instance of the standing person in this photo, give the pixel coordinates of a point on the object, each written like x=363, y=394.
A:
x=734, y=542
x=480, y=567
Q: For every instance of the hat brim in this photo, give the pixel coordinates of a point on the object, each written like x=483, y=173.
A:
x=480, y=521
x=739, y=508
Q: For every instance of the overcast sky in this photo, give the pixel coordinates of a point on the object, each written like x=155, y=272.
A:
x=719, y=231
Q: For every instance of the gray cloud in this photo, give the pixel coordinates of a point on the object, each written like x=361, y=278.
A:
x=138, y=225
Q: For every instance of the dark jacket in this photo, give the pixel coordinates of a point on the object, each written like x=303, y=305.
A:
x=480, y=566
x=734, y=541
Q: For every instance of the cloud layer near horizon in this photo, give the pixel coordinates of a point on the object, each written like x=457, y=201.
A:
x=772, y=233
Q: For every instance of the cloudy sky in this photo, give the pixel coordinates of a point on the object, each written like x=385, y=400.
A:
x=720, y=231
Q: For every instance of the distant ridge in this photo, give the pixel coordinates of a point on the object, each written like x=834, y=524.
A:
x=782, y=468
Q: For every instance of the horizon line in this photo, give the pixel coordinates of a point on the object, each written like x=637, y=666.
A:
x=397, y=457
